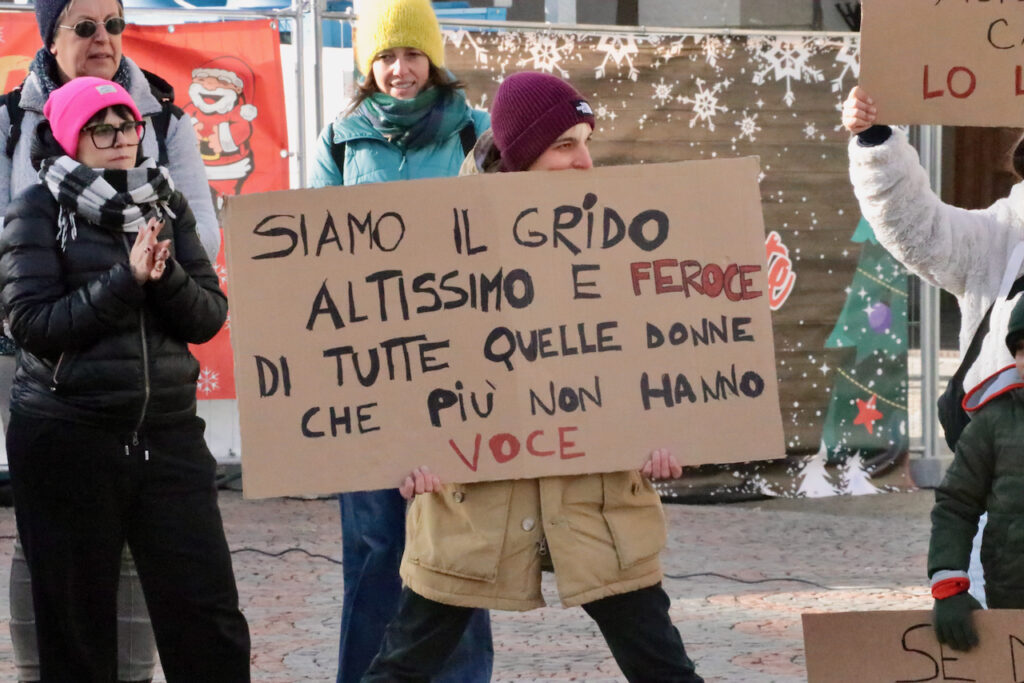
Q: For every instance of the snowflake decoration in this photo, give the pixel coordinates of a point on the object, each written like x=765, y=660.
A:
x=748, y=126
x=705, y=102
x=810, y=131
x=716, y=48
x=784, y=59
x=673, y=49
x=227, y=321
x=208, y=381
x=662, y=92
x=222, y=274
x=603, y=112
x=481, y=104
x=847, y=54
x=457, y=38
x=618, y=49
x=547, y=52
x=509, y=41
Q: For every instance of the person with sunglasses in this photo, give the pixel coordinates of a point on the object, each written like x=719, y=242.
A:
x=105, y=284
x=83, y=38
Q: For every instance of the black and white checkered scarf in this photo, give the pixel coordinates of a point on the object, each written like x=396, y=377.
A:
x=119, y=200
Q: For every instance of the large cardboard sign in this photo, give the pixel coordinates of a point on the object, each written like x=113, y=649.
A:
x=956, y=62
x=901, y=647
x=501, y=326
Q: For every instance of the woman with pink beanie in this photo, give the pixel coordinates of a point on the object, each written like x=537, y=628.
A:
x=601, y=533
x=105, y=284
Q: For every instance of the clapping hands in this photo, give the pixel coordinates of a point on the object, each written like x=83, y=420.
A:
x=148, y=257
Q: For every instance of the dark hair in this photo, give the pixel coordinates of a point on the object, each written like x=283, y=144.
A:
x=121, y=110
x=436, y=78
x=1014, y=341
x=1018, y=158
x=43, y=145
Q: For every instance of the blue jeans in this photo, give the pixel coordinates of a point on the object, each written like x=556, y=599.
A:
x=373, y=539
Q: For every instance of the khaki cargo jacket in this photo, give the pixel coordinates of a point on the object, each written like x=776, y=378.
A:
x=482, y=544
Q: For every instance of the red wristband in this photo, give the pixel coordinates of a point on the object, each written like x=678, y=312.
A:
x=947, y=588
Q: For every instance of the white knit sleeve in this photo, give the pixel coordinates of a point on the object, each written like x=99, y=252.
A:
x=947, y=246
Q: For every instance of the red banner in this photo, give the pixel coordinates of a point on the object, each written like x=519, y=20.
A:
x=19, y=41
x=227, y=78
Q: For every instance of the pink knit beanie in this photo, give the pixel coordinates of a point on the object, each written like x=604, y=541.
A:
x=70, y=106
x=530, y=111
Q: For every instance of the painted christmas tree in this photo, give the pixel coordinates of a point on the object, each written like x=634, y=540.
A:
x=814, y=478
x=855, y=480
x=867, y=412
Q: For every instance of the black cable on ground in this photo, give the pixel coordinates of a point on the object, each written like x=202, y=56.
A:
x=747, y=581
x=284, y=552
x=677, y=577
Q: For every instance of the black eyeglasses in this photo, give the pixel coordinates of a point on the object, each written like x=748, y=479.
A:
x=104, y=135
x=86, y=28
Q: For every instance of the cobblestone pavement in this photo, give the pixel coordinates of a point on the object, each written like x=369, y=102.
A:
x=739, y=577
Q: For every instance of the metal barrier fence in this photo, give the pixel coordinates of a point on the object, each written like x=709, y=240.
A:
x=309, y=15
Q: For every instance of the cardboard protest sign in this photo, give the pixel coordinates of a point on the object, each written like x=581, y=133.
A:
x=901, y=647
x=956, y=62
x=501, y=326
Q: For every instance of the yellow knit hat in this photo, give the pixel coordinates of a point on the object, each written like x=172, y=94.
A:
x=386, y=24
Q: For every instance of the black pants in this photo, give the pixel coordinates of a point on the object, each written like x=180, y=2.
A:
x=636, y=626
x=80, y=493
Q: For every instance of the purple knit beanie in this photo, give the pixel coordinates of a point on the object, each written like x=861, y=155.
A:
x=530, y=111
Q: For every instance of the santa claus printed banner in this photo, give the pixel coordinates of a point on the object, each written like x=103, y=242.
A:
x=19, y=41
x=227, y=79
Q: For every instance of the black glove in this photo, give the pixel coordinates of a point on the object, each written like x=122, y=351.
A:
x=952, y=620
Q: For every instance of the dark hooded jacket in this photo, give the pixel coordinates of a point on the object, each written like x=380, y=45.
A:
x=987, y=474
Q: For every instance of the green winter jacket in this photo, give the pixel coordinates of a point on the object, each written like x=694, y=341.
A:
x=987, y=474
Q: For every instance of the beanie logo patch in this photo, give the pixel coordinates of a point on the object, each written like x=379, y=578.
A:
x=583, y=107
x=105, y=89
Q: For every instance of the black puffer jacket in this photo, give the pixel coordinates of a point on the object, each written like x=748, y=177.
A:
x=97, y=347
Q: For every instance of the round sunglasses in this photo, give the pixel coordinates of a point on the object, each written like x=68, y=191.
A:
x=104, y=135
x=86, y=28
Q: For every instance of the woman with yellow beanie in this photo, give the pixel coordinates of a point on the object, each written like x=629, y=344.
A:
x=409, y=120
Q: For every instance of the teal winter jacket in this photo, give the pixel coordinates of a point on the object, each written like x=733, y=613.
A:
x=370, y=158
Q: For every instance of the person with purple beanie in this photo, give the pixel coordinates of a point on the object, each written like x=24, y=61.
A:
x=485, y=544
